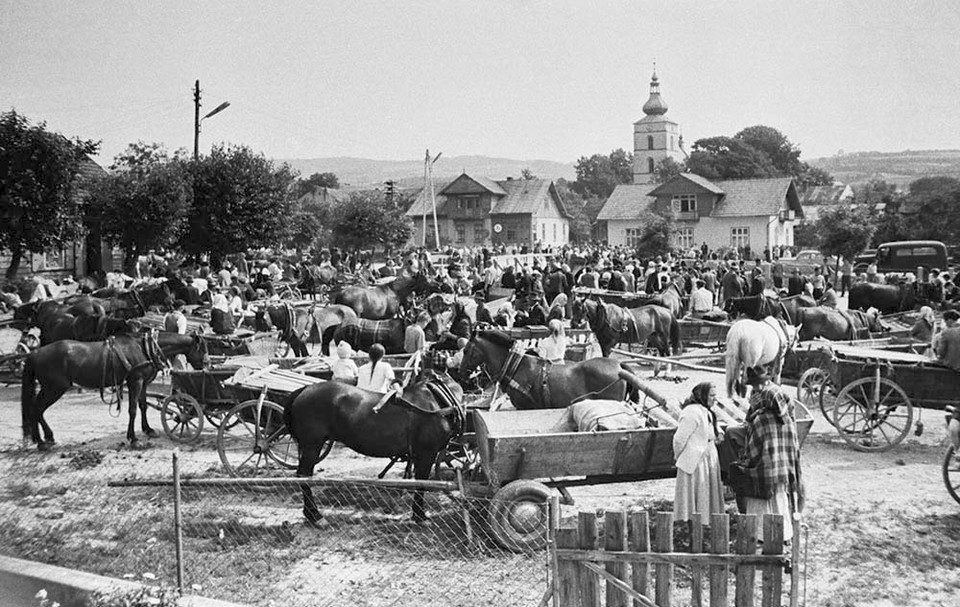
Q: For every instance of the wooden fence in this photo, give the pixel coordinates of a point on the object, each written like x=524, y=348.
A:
x=618, y=562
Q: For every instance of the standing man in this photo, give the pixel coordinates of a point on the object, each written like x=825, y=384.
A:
x=732, y=285
x=846, y=276
x=947, y=343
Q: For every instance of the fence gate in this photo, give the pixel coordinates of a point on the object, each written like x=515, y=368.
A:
x=613, y=562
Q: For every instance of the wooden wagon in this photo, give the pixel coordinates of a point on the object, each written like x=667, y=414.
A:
x=15, y=344
x=523, y=454
x=874, y=393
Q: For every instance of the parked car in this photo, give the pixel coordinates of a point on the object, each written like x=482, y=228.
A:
x=806, y=261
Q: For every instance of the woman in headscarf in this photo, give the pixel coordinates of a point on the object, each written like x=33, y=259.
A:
x=558, y=308
x=922, y=330
x=554, y=346
x=344, y=368
x=699, y=489
x=221, y=320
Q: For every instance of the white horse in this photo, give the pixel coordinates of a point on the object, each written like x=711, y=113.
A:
x=756, y=342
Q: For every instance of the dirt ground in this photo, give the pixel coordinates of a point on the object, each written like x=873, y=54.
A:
x=881, y=529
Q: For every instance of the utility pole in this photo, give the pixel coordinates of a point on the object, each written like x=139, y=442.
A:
x=196, y=121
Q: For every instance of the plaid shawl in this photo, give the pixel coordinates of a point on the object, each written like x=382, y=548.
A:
x=772, y=452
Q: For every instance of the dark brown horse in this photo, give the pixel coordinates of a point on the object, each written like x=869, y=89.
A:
x=415, y=426
x=791, y=308
x=886, y=298
x=837, y=325
x=35, y=312
x=58, y=327
x=535, y=383
x=615, y=325
x=143, y=297
x=362, y=333
x=384, y=301
x=299, y=325
x=758, y=307
x=124, y=360
x=670, y=298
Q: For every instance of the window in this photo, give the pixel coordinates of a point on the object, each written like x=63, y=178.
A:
x=739, y=237
x=461, y=233
x=468, y=203
x=650, y=165
x=511, y=235
x=479, y=234
x=671, y=142
x=554, y=232
x=685, y=238
x=632, y=237
x=684, y=203
x=649, y=142
x=543, y=232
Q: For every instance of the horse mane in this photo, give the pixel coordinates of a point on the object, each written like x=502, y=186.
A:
x=497, y=338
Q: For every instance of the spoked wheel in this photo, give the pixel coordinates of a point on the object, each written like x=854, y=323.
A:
x=816, y=388
x=216, y=416
x=873, y=414
x=462, y=454
x=951, y=472
x=182, y=417
x=519, y=516
x=253, y=438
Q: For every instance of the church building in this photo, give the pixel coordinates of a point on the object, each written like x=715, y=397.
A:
x=655, y=137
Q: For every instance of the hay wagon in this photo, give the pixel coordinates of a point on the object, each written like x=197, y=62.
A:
x=525, y=454
x=873, y=394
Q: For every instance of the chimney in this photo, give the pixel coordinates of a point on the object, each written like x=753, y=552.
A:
x=509, y=178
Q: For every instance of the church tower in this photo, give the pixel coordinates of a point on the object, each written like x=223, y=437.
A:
x=655, y=136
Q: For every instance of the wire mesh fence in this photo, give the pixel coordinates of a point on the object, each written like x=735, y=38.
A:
x=251, y=544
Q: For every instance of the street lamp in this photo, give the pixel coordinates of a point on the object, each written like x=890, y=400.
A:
x=197, y=119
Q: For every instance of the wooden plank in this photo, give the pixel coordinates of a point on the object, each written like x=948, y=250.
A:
x=658, y=359
x=772, y=577
x=746, y=543
x=589, y=539
x=615, y=539
x=696, y=573
x=719, y=544
x=569, y=590
x=683, y=559
x=620, y=585
x=664, y=573
x=638, y=537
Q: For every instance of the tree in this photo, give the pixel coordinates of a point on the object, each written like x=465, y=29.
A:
x=931, y=210
x=241, y=201
x=366, y=220
x=527, y=174
x=40, y=201
x=319, y=180
x=728, y=158
x=806, y=235
x=144, y=203
x=667, y=169
x=783, y=155
x=598, y=175
x=657, y=235
x=581, y=226
x=845, y=230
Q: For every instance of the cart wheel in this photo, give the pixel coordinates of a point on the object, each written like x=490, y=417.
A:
x=951, y=472
x=155, y=400
x=816, y=388
x=182, y=417
x=216, y=416
x=519, y=516
x=253, y=437
x=872, y=419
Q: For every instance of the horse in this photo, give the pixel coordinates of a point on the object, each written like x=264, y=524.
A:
x=125, y=359
x=144, y=296
x=58, y=327
x=754, y=306
x=35, y=312
x=299, y=325
x=792, y=306
x=535, y=383
x=756, y=342
x=128, y=305
x=362, y=333
x=614, y=325
x=383, y=301
x=416, y=425
x=670, y=298
x=837, y=325
x=886, y=298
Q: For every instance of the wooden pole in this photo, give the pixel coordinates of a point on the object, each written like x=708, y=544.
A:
x=177, y=520
x=426, y=184
x=657, y=359
x=295, y=483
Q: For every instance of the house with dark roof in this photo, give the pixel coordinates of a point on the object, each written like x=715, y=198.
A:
x=728, y=213
x=817, y=197
x=472, y=211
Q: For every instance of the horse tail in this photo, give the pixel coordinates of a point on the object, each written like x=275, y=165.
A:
x=732, y=366
x=675, y=341
x=27, y=395
x=288, y=413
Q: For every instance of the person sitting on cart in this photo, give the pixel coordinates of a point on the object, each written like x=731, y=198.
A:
x=830, y=298
x=344, y=369
x=922, y=330
x=947, y=346
x=377, y=375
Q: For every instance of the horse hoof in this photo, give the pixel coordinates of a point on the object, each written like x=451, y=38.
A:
x=151, y=433
x=42, y=446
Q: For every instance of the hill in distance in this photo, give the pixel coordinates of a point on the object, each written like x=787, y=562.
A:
x=364, y=172
x=894, y=167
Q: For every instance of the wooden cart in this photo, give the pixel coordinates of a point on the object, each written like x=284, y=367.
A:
x=15, y=344
x=878, y=392
x=523, y=454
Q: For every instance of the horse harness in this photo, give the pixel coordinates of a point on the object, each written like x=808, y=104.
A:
x=858, y=330
x=780, y=326
x=112, y=354
x=448, y=402
x=512, y=365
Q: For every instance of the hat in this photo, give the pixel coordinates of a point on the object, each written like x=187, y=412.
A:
x=756, y=375
x=951, y=315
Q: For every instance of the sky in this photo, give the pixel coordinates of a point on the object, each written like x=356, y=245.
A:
x=523, y=79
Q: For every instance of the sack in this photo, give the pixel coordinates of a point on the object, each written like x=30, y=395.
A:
x=743, y=483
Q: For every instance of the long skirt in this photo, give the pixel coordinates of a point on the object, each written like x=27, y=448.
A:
x=701, y=492
x=778, y=504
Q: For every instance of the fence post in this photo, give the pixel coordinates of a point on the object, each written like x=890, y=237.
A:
x=719, y=544
x=553, y=526
x=664, y=543
x=567, y=570
x=746, y=544
x=177, y=519
x=589, y=540
x=615, y=539
x=638, y=529
x=772, y=576
x=696, y=572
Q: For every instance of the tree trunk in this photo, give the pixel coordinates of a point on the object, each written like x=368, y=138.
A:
x=16, y=254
